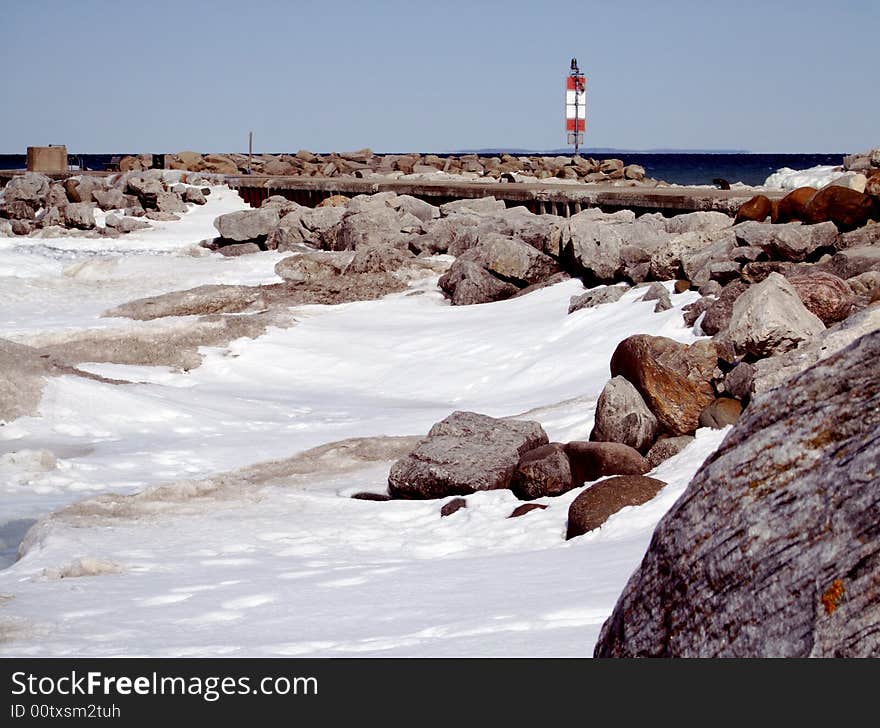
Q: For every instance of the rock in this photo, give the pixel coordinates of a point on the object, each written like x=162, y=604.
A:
x=170, y=202
x=52, y=216
x=738, y=381
x=247, y=225
x=601, y=501
x=792, y=241
x=56, y=196
x=872, y=185
x=219, y=164
x=367, y=496
x=513, y=261
x=666, y=448
x=17, y=210
x=777, y=370
x=146, y=187
x=758, y=208
x=719, y=312
x=5, y=229
x=526, y=508
x=693, y=311
x=80, y=215
x=846, y=208
x=544, y=471
x=758, y=271
x=634, y=171
x=161, y=216
x=865, y=284
x=593, y=248
x=769, y=318
x=866, y=236
x=22, y=227
x=793, y=207
x=236, y=249
x=823, y=294
x=462, y=454
x=697, y=222
x=771, y=551
x=609, y=166
x=681, y=286
x=851, y=180
x=475, y=206
x=593, y=460
x=371, y=227
x=195, y=196
x=456, y=504
x=595, y=297
x=424, y=211
x=673, y=379
x=334, y=201
x=468, y=283
x=657, y=292
x=712, y=288
x=200, y=301
x=622, y=416
x=666, y=260
x=551, y=281
x=697, y=262
x=111, y=199
x=30, y=188
x=378, y=260
x=853, y=261
x=130, y=224
x=722, y=412
x=309, y=267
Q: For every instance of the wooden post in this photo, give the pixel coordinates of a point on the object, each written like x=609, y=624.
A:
x=250, y=149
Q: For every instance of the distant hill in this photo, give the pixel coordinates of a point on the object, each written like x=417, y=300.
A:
x=596, y=150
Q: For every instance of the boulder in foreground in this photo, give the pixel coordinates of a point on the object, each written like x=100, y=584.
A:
x=601, y=501
x=772, y=551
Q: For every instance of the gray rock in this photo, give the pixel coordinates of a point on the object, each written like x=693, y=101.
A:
x=161, y=216
x=247, y=225
x=543, y=471
x=378, y=259
x=512, y=260
x=593, y=248
x=30, y=187
x=789, y=241
x=52, y=216
x=145, y=186
x=170, y=202
x=657, y=292
x=310, y=267
x=622, y=416
x=738, y=381
x=22, y=227
x=370, y=227
x=56, y=196
x=696, y=262
x=697, y=222
x=777, y=370
x=17, y=210
x=80, y=215
x=5, y=229
x=774, y=548
x=853, y=261
x=468, y=283
x=666, y=448
x=476, y=206
x=769, y=318
x=666, y=260
x=865, y=236
x=236, y=249
x=194, y=195
x=718, y=313
x=464, y=453
x=111, y=199
x=595, y=297
x=424, y=211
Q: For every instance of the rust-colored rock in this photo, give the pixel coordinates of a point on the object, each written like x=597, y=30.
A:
x=793, y=206
x=594, y=460
x=846, y=208
x=824, y=294
x=674, y=379
x=456, y=504
x=872, y=187
x=758, y=208
x=334, y=201
x=722, y=412
x=601, y=501
x=526, y=508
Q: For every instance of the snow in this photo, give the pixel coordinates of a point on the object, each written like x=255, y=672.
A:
x=205, y=549
x=790, y=179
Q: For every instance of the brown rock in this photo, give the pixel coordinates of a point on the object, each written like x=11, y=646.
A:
x=872, y=187
x=334, y=201
x=682, y=286
x=541, y=472
x=846, y=208
x=372, y=496
x=452, y=506
x=722, y=412
x=601, y=501
x=793, y=206
x=666, y=448
x=674, y=379
x=758, y=208
x=526, y=508
x=824, y=294
x=593, y=460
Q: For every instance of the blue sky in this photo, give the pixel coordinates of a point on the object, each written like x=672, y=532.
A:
x=160, y=76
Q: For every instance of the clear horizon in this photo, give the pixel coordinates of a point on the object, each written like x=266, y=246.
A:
x=104, y=77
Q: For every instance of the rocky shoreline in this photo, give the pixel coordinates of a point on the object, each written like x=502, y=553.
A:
x=789, y=303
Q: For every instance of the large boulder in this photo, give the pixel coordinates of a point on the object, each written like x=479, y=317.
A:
x=757, y=209
x=774, y=548
x=599, y=502
x=110, y=199
x=622, y=416
x=313, y=266
x=80, y=215
x=467, y=283
x=592, y=247
x=674, y=379
x=596, y=297
x=374, y=225
x=146, y=187
x=464, y=453
x=593, y=460
x=200, y=301
x=666, y=448
x=697, y=222
x=793, y=207
x=514, y=261
x=247, y=225
x=846, y=208
x=543, y=471
x=769, y=318
x=792, y=241
x=823, y=294
x=30, y=187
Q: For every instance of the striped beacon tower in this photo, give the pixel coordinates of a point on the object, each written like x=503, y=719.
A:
x=575, y=106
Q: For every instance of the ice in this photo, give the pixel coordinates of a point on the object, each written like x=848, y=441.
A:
x=207, y=512
x=790, y=179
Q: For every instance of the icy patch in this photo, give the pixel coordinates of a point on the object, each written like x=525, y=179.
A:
x=790, y=179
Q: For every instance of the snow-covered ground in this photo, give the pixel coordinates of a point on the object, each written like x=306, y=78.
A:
x=207, y=552
x=790, y=179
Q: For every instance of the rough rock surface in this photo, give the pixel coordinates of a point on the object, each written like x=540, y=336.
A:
x=200, y=301
x=468, y=283
x=596, y=297
x=543, y=471
x=601, y=501
x=772, y=551
x=623, y=416
x=667, y=447
x=824, y=295
x=792, y=241
x=768, y=319
x=722, y=412
x=673, y=379
x=246, y=225
x=464, y=453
